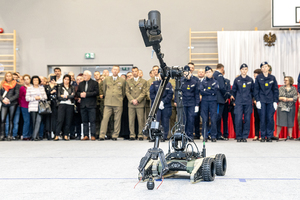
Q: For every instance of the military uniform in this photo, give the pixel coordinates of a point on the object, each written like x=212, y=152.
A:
x=110, y=126
x=208, y=89
x=299, y=106
x=136, y=90
x=266, y=92
x=242, y=91
x=163, y=115
x=197, y=117
x=174, y=111
x=226, y=108
x=220, y=99
x=114, y=92
x=190, y=99
x=148, y=100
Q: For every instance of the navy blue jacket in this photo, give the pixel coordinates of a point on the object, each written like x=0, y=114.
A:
x=222, y=90
x=266, y=89
x=228, y=89
x=208, y=89
x=190, y=92
x=242, y=90
x=167, y=96
x=299, y=83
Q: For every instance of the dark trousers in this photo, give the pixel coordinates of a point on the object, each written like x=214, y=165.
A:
x=36, y=122
x=64, y=118
x=197, y=123
x=225, y=120
x=98, y=121
x=4, y=111
x=164, y=116
x=209, y=108
x=242, y=129
x=76, y=125
x=189, y=117
x=256, y=121
x=266, y=114
x=51, y=119
x=219, y=118
x=88, y=115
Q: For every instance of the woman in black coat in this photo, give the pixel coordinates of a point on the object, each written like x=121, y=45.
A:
x=9, y=94
x=51, y=91
x=65, y=96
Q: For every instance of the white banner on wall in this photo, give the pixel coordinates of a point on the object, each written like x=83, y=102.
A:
x=237, y=47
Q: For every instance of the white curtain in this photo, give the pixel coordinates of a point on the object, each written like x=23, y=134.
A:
x=237, y=47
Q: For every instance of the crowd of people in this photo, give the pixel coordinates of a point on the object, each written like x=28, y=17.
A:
x=115, y=106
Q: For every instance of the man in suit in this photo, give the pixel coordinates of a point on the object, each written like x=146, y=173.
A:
x=220, y=98
x=88, y=90
x=114, y=92
x=136, y=93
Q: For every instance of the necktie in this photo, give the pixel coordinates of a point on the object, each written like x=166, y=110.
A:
x=86, y=85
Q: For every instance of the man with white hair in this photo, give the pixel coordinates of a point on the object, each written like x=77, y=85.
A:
x=88, y=90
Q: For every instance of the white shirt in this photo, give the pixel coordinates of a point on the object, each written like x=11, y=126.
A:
x=115, y=78
x=136, y=79
x=60, y=80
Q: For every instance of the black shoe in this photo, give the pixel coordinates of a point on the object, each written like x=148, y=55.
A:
x=205, y=140
x=153, y=140
x=262, y=140
x=287, y=138
x=197, y=138
x=244, y=140
x=298, y=138
x=269, y=139
x=141, y=139
x=214, y=140
x=222, y=138
x=72, y=137
x=114, y=139
x=78, y=138
x=8, y=138
x=238, y=140
x=162, y=140
x=291, y=138
x=275, y=138
x=101, y=139
x=131, y=139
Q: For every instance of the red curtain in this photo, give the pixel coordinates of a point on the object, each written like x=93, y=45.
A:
x=283, y=133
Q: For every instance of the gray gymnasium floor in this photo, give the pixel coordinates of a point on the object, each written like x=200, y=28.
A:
x=108, y=170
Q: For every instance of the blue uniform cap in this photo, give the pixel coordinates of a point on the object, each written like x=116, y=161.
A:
x=243, y=65
x=207, y=68
x=186, y=68
x=263, y=63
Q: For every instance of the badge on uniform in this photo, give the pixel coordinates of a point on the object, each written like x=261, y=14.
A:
x=208, y=88
x=188, y=87
x=266, y=84
x=244, y=85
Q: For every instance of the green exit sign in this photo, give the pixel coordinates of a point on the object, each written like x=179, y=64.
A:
x=89, y=55
x=125, y=68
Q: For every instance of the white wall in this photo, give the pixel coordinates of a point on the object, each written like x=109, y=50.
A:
x=59, y=32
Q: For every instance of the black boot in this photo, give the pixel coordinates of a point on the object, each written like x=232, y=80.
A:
x=2, y=132
x=48, y=135
x=9, y=137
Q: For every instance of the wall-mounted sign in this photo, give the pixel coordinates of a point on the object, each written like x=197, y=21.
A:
x=89, y=55
x=125, y=68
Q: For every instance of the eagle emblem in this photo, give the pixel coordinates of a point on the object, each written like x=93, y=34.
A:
x=270, y=39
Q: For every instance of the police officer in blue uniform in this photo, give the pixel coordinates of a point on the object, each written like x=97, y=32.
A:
x=266, y=95
x=190, y=100
x=242, y=91
x=165, y=109
x=218, y=76
x=208, y=89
